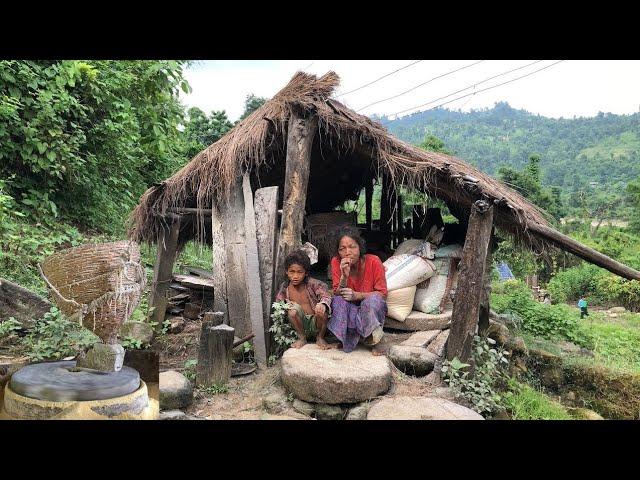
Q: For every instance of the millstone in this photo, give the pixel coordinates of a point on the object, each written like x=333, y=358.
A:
x=59, y=382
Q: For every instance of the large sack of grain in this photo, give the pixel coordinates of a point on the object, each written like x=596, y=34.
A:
x=400, y=303
x=407, y=270
x=427, y=300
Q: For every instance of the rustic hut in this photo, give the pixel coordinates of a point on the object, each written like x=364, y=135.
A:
x=313, y=153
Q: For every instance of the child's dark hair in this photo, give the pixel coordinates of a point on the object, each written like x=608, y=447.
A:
x=298, y=257
x=348, y=231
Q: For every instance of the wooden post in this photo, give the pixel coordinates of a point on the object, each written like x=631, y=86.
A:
x=213, y=319
x=266, y=208
x=368, y=196
x=483, y=317
x=233, y=227
x=385, y=207
x=466, y=304
x=399, y=220
x=215, y=355
x=219, y=262
x=163, y=270
x=253, y=275
x=301, y=131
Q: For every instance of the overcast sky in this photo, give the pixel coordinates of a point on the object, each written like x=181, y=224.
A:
x=567, y=89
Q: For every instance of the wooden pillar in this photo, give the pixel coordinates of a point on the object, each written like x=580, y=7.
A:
x=483, y=318
x=219, y=262
x=253, y=275
x=233, y=227
x=385, y=207
x=466, y=304
x=368, y=196
x=266, y=209
x=399, y=220
x=215, y=355
x=163, y=269
x=301, y=132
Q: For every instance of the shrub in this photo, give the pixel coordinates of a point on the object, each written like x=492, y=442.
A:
x=283, y=332
x=568, y=285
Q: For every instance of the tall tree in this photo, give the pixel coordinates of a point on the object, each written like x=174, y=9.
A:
x=251, y=104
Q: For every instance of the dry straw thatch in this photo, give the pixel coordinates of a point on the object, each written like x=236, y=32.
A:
x=258, y=145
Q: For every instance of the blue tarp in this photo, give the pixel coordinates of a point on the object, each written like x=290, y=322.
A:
x=504, y=271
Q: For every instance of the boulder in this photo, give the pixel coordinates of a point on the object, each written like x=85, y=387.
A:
x=421, y=339
x=438, y=345
x=103, y=357
x=329, y=412
x=359, y=412
x=333, y=376
x=141, y=331
x=175, y=391
x=498, y=332
x=584, y=414
x=304, y=408
x=417, y=361
x=418, y=321
x=569, y=347
x=420, y=408
x=617, y=309
x=275, y=403
x=517, y=345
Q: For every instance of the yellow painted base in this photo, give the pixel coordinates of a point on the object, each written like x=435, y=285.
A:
x=138, y=405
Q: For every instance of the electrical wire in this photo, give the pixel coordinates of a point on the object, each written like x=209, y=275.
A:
x=378, y=79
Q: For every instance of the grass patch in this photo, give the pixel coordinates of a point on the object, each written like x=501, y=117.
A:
x=526, y=403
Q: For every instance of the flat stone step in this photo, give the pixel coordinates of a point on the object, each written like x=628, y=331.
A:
x=333, y=376
x=418, y=321
x=420, y=408
x=421, y=339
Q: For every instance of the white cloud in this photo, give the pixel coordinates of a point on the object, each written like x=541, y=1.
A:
x=571, y=88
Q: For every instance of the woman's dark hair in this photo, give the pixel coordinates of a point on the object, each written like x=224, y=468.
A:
x=298, y=257
x=347, y=231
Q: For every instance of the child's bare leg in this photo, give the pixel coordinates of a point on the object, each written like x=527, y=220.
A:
x=296, y=321
x=321, y=325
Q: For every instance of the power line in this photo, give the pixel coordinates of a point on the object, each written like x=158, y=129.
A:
x=418, y=86
x=479, y=91
x=378, y=79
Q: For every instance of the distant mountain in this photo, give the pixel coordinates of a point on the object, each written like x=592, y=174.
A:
x=592, y=157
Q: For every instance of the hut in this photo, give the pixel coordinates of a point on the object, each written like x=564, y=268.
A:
x=304, y=153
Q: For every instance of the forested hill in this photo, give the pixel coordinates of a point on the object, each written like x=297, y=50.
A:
x=574, y=153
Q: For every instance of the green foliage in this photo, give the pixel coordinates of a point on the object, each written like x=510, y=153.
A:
x=189, y=369
x=522, y=262
x=54, y=337
x=131, y=343
x=480, y=386
x=570, y=284
x=251, y=104
x=214, y=389
x=431, y=143
x=620, y=291
x=526, y=403
x=616, y=343
x=283, y=332
x=202, y=130
x=633, y=199
x=9, y=326
x=538, y=319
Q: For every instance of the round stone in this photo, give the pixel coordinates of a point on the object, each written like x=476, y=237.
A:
x=63, y=382
x=333, y=376
x=175, y=391
x=420, y=408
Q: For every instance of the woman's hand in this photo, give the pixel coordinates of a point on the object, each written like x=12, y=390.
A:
x=345, y=267
x=320, y=309
x=348, y=294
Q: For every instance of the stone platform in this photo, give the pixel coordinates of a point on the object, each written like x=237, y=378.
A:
x=333, y=377
x=420, y=408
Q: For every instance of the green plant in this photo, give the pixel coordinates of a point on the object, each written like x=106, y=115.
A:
x=478, y=386
x=54, y=337
x=283, y=332
x=214, y=389
x=526, y=403
x=9, y=326
x=189, y=369
x=131, y=343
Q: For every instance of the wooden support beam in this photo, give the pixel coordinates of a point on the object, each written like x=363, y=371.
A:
x=266, y=208
x=233, y=228
x=253, y=275
x=483, y=315
x=466, y=304
x=399, y=220
x=219, y=262
x=163, y=271
x=215, y=355
x=584, y=252
x=301, y=132
x=368, y=195
x=385, y=205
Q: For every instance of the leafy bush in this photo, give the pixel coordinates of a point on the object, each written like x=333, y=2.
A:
x=189, y=369
x=479, y=387
x=620, y=291
x=283, y=332
x=9, y=326
x=54, y=337
x=538, y=319
x=568, y=285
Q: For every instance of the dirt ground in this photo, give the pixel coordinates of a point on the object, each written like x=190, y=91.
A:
x=244, y=399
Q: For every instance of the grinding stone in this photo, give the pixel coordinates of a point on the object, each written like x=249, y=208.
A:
x=53, y=381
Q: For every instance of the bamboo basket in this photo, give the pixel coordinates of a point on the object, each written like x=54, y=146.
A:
x=98, y=285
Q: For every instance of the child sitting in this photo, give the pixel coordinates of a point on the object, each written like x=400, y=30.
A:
x=310, y=299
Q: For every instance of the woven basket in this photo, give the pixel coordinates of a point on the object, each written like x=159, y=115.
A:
x=99, y=285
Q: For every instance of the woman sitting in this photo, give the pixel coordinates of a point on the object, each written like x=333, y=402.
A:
x=359, y=305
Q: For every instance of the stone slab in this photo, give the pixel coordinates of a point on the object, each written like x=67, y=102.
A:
x=333, y=376
x=418, y=321
x=421, y=339
x=420, y=408
x=437, y=346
